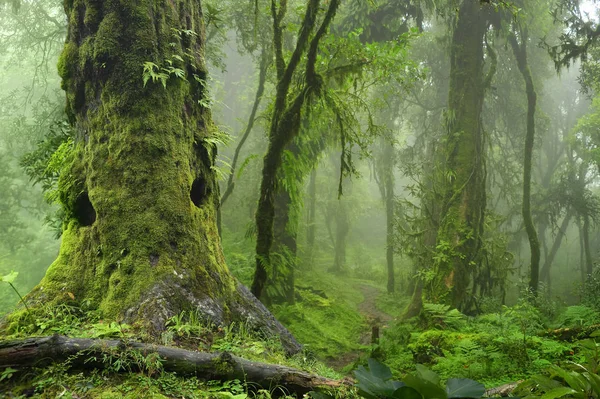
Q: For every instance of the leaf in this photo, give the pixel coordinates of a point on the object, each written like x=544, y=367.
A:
x=427, y=374
x=70, y=294
x=558, y=393
x=9, y=278
x=406, y=393
x=379, y=370
x=464, y=388
x=426, y=388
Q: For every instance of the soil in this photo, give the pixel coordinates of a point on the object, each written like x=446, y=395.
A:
x=373, y=316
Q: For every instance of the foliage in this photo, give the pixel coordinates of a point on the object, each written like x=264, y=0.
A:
x=376, y=382
x=578, y=379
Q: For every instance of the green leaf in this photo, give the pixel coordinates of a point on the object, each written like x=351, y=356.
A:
x=379, y=370
x=558, y=393
x=464, y=388
x=9, y=278
x=427, y=374
x=406, y=393
x=426, y=388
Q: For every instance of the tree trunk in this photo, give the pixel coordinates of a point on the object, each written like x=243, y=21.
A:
x=562, y=231
x=285, y=123
x=140, y=196
x=458, y=241
x=589, y=262
x=41, y=352
x=389, y=213
x=281, y=281
x=520, y=52
x=342, y=228
x=262, y=79
x=311, y=214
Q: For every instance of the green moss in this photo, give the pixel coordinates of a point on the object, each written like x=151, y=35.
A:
x=106, y=43
x=67, y=59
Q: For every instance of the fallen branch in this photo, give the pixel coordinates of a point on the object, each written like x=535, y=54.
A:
x=40, y=352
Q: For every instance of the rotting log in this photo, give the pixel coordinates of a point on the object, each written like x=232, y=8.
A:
x=42, y=351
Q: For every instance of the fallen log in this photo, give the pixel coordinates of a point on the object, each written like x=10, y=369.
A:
x=87, y=353
x=573, y=333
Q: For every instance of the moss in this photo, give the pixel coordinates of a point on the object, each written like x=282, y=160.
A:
x=106, y=42
x=66, y=60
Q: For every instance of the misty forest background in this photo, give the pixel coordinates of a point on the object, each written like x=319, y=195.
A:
x=366, y=233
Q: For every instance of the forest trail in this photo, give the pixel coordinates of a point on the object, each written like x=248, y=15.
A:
x=373, y=317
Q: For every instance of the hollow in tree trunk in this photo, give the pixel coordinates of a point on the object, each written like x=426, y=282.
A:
x=140, y=240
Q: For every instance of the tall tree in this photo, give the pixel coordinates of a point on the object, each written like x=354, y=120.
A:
x=138, y=189
x=520, y=52
x=459, y=241
x=286, y=117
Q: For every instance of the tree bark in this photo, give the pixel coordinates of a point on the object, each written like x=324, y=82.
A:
x=41, y=352
x=285, y=123
x=458, y=241
x=520, y=52
x=342, y=228
x=311, y=214
x=139, y=193
x=389, y=213
x=589, y=261
x=562, y=231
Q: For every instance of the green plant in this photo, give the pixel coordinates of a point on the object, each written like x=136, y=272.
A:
x=437, y=315
x=10, y=278
x=376, y=382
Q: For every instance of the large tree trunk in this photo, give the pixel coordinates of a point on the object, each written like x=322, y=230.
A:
x=520, y=52
x=459, y=236
x=41, y=352
x=140, y=240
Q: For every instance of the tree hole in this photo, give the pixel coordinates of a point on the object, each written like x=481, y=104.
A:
x=84, y=210
x=200, y=192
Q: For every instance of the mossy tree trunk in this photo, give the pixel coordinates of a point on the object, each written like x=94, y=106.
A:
x=311, y=226
x=458, y=242
x=286, y=118
x=140, y=239
x=520, y=53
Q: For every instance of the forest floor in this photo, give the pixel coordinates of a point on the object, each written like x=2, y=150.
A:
x=374, y=317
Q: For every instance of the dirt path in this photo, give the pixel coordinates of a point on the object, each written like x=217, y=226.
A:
x=373, y=316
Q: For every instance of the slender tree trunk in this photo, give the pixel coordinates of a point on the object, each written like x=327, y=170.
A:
x=589, y=262
x=342, y=228
x=262, y=78
x=389, y=213
x=459, y=235
x=311, y=214
x=285, y=123
x=582, y=267
x=520, y=52
x=562, y=231
x=140, y=196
